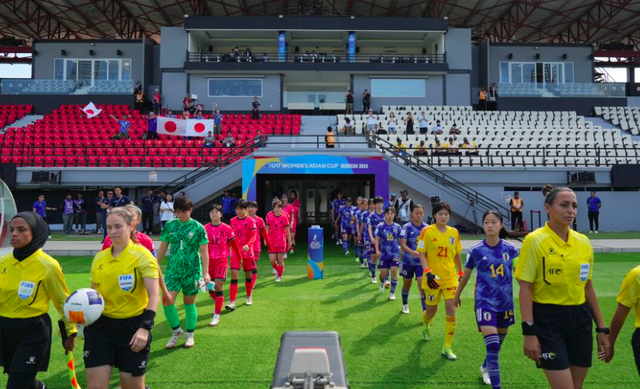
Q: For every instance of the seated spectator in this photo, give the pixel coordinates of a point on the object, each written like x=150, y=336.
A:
x=125, y=125
x=454, y=130
x=229, y=141
x=170, y=115
x=392, y=123
x=423, y=123
x=235, y=52
x=199, y=114
x=421, y=150
x=248, y=53
x=330, y=138
x=157, y=101
x=185, y=115
x=470, y=147
x=209, y=140
x=437, y=129
x=187, y=103
x=401, y=148
x=348, y=128
x=450, y=145
x=371, y=122
x=262, y=140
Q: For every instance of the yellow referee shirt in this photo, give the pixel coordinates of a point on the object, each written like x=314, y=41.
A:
x=558, y=270
x=441, y=250
x=27, y=286
x=630, y=293
x=120, y=280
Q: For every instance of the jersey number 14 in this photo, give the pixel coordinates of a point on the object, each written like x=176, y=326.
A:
x=499, y=271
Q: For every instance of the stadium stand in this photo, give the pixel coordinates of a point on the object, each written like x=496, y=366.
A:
x=112, y=87
x=40, y=87
x=519, y=90
x=11, y=112
x=626, y=118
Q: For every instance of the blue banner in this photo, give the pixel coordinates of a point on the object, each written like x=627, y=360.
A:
x=282, y=46
x=351, y=46
x=315, y=256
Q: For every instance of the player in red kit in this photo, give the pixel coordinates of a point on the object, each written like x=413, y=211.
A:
x=278, y=227
x=290, y=211
x=245, y=229
x=221, y=238
x=252, y=207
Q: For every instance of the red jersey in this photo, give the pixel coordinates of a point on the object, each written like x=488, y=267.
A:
x=220, y=237
x=245, y=231
x=278, y=229
x=257, y=246
x=290, y=210
x=143, y=240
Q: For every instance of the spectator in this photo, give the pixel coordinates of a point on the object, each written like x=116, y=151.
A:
x=185, y=115
x=152, y=126
x=482, y=99
x=392, y=123
x=199, y=114
x=187, y=103
x=229, y=141
x=119, y=200
x=451, y=146
x=125, y=125
x=439, y=148
x=166, y=210
x=393, y=202
x=493, y=92
x=170, y=114
x=146, y=205
x=330, y=138
x=348, y=127
x=438, y=130
x=139, y=100
x=371, y=122
x=594, y=204
x=80, y=214
x=423, y=123
x=349, y=100
x=470, y=147
x=248, y=54
x=401, y=148
x=209, y=140
x=105, y=209
x=40, y=207
x=217, y=121
x=157, y=102
x=255, y=109
x=100, y=213
x=234, y=201
x=226, y=206
x=408, y=121
x=366, y=101
x=421, y=150
x=517, y=205
x=67, y=214
x=454, y=130
x=235, y=52
x=181, y=194
x=405, y=207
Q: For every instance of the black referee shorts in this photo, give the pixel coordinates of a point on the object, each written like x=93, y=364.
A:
x=565, y=333
x=106, y=342
x=25, y=344
x=635, y=344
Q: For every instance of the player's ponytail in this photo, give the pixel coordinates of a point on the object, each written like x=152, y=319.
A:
x=128, y=218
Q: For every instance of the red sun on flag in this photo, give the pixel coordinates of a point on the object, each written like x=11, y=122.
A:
x=199, y=127
x=90, y=111
x=170, y=126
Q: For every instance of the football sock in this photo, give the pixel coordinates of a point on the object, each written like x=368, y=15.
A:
x=171, y=313
x=254, y=278
x=274, y=266
x=219, y=299
x=405, y=297
x=233, y=290
x=248, y=284
x=190, y=317
x=491, y=363
x=423, y=300
x=502, y=338
x=280, y=270
x=426, y=319
x=345, y=245
x=381, y=279
x=450, y=330
x=394, y=283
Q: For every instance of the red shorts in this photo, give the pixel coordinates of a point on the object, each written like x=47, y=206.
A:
x=278, y=249
x=248, y=264
x=256, y=255
x=218, y=269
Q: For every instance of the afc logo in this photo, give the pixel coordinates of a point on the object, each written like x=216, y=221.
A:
x=555, y=272
x=551, y=251
x=548, y=356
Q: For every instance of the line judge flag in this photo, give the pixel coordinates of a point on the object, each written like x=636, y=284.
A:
x=199, y=127
x=91, y=110
x=171, y=126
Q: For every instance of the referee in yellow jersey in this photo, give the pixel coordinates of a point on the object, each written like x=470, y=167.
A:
x=628, y=298
x=126, y=274
x=29, y=278
x=557, y=300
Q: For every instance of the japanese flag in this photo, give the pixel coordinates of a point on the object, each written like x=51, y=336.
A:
x=91, y=110
x=171, y=126
x=197, y=127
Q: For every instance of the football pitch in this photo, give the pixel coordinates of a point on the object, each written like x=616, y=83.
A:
x=383, y=348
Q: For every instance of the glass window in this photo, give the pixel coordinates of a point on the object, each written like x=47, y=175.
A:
x=235, y=87
x=529, y=73
x=516, y=72
x=100, y=70
x=72, y=70
x=394, y=87
x=114, y=69
x=126, y=69
x=58, y=69
x=568, y=72
x=504, y=72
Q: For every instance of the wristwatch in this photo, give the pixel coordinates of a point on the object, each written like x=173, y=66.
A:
x=603, y=330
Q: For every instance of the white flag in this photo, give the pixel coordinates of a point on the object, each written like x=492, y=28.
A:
x=171, y=126
x=91, y=110
x=199, y=127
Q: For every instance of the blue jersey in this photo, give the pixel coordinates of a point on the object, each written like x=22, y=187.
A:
x=364, y=225
x=41, y=208
x=336, y=205
x=374, y=220
x=411, y=232
x=388, y=241
x=358, y=215
x=494, y=282
x=346, y=213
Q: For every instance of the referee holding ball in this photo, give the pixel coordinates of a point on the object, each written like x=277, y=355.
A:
x=126, y=275
x=557, y=300
x=29, y=278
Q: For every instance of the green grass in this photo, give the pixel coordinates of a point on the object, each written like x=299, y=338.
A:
x=58, y=236
x=383, y=348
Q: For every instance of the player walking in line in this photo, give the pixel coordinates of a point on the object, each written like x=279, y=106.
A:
x=122, y=335
x=387, y=249
x=187, y=269
x=293, y=210
x=346, y=222
x=252, y=207
x=362, y=236
x=411, y=266
x=375, y=218
x=557, y=299
x=439, y=247
x=357, y=216
x=336, y=204
x=493, y=258
x=244, y=229
x=221, y=238
x=29, y=278
x=278, y=227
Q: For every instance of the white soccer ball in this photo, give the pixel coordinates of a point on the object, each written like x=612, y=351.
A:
x=84, y=306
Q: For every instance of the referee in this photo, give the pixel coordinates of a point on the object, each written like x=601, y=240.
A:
x=126, y=274
x=29, y=278
x=557, y=299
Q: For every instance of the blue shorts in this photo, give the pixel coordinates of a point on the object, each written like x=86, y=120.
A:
x=489, y=318
x=410, y=270
x=346, y=229
x=386, y=263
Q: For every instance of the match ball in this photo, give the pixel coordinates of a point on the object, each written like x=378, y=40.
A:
x=84, y=306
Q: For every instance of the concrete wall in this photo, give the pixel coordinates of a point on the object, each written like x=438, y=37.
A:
x=270, y=100
x=173, y=50
x=458, y=90
x=434, y=87
x=174, y=87
x=458, y=47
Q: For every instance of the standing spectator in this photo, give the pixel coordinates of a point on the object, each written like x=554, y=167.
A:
x=493, y=92
x=199, y=114
x=226, y=206
x=423, y=123
x=147, y=204
x=181, y=194
x=187, y=103
x=105, y=210
x=408, y=121
x=40, y=207
x=482, y=98
x=392, y=123
x=438, y=130
x=80, y=212
x=217, y=121
x=255, y=109
x=67, y=214
x=139, y=100
x=405, y=207
x=349, y=100
x=157, y=102
x=208, y=140
x=125, y=125
x=516, y=211
x=229, y=140
x=330, y=138
x=152, y=126
x=594, y=203
x=366, y=101
x=371, y=122
x=101, y=214
x=166, y=210
x=393, y=202
x=119, y=200
x=234, y=201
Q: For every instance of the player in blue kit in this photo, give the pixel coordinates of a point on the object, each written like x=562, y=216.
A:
x=493, y=259
x=411, y=266
x=376, y=217
x=347, y=224
x=361, y=220
x=387, y=248
x=357, y=216
x=367, y=248
x=338, y=202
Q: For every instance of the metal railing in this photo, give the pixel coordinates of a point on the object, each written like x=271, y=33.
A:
x=318, y=58
x=562, y=90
